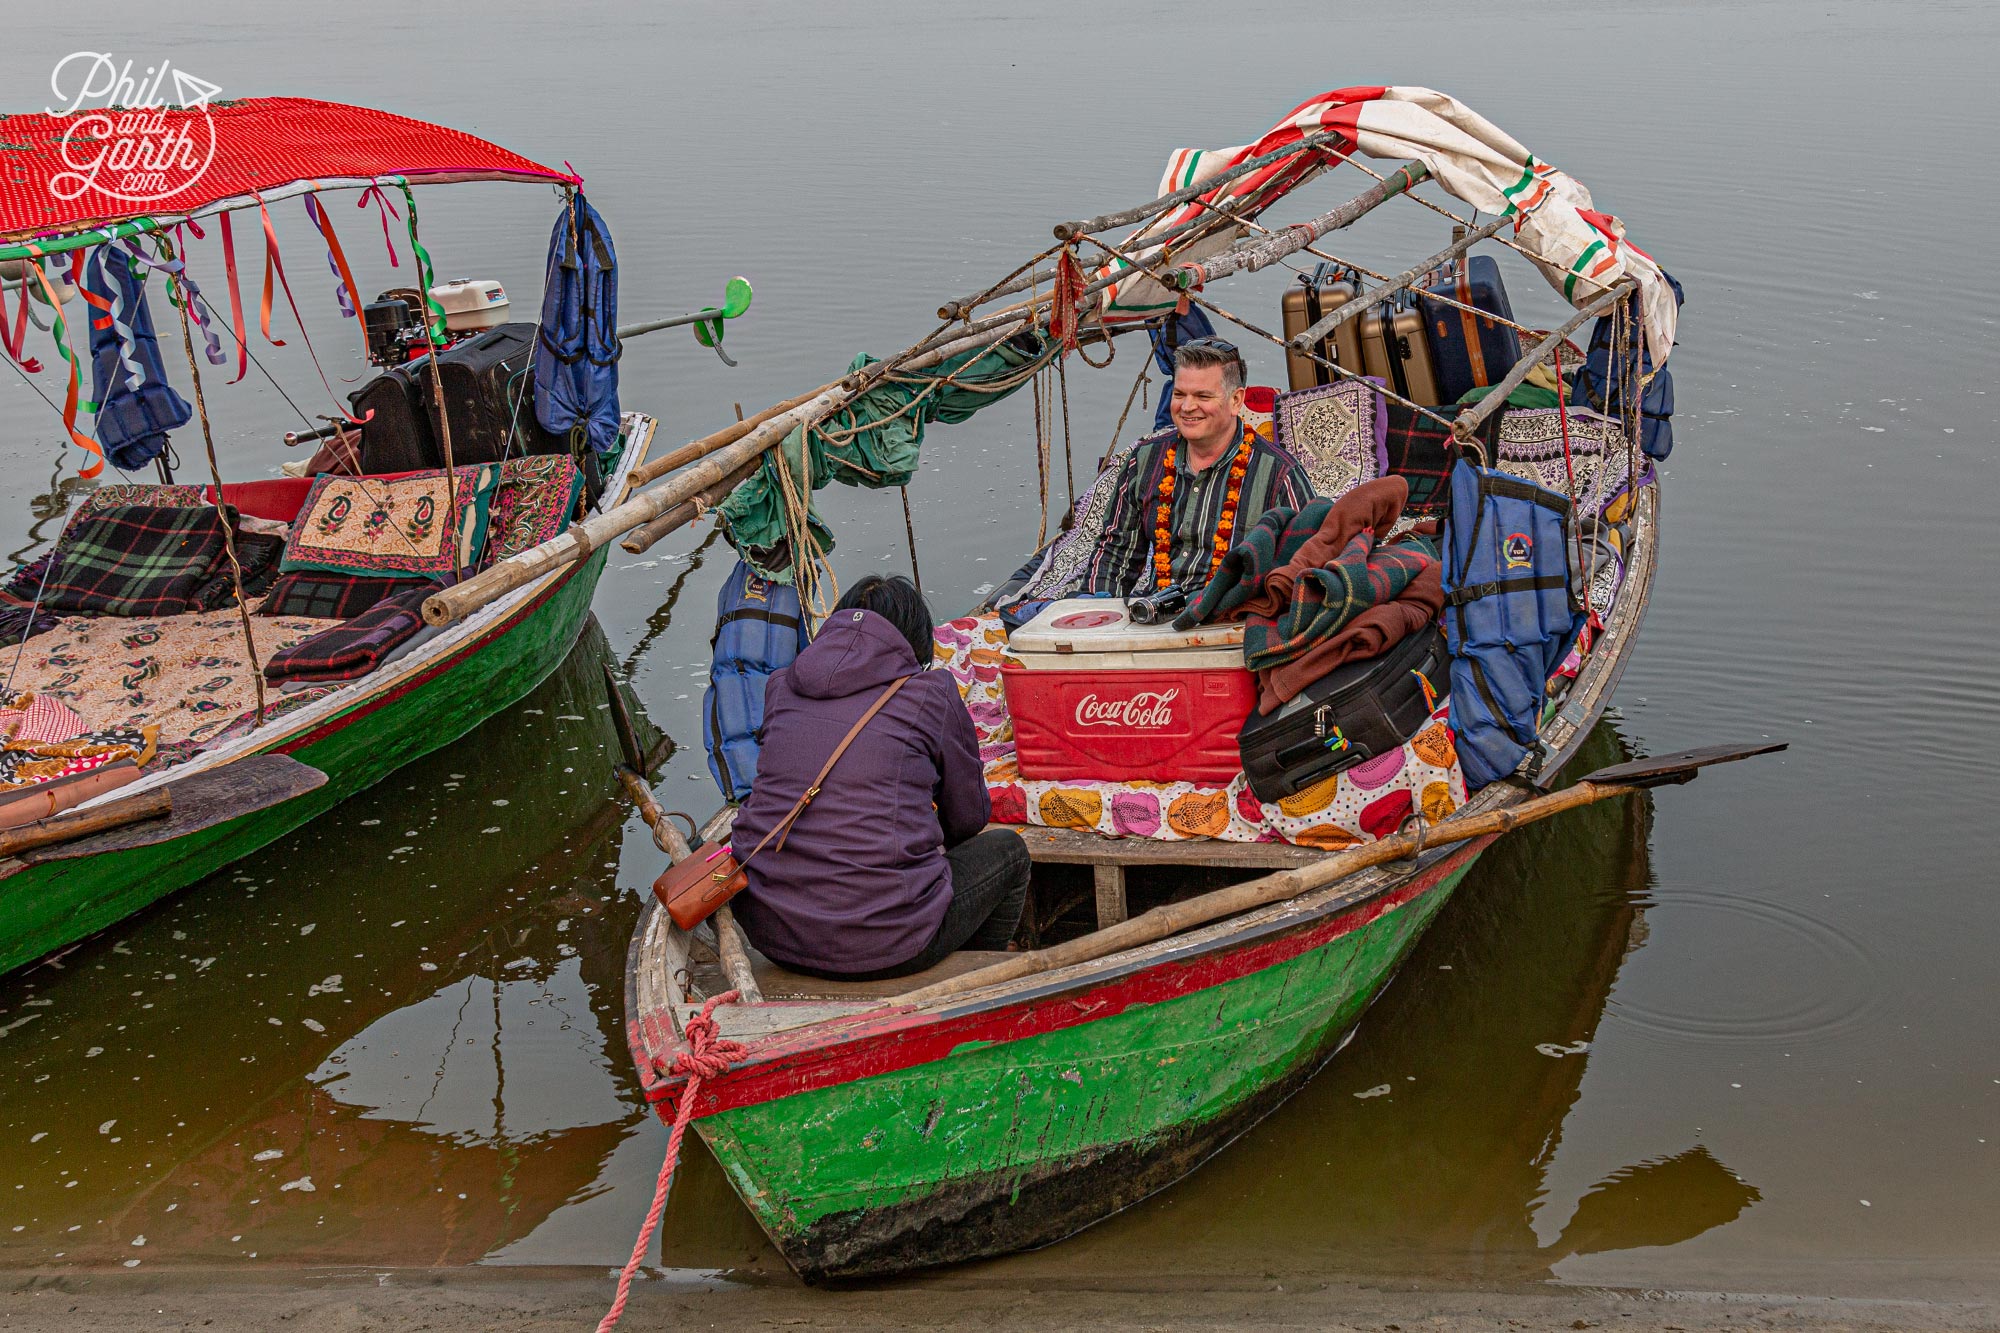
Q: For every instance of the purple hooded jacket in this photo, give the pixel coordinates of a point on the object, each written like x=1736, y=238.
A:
x=861, y=882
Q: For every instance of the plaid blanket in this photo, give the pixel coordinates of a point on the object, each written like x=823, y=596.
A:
x=1276, y=537
x=1419, y=451
x=136, y=560
x=258, y=553
x=19, y=617
x=1326, y=599
x=357, y=647
x=324, y=596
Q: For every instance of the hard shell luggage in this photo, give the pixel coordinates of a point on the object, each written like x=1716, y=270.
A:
x=1328, y=288
x=1353, y=713
x=1394, y=350
x=1470, y=351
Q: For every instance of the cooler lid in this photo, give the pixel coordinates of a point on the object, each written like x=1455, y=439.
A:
x=1101, y=625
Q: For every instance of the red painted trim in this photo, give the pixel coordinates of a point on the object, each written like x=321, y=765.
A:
x=444, y=664
x=807, y=1059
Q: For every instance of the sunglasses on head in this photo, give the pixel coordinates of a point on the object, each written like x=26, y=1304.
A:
x=1214, y=344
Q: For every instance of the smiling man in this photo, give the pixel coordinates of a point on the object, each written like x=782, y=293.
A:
x=1185, y=495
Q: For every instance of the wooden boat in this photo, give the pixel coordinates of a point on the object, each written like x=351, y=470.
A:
x=993, y=1105
x=241, y=794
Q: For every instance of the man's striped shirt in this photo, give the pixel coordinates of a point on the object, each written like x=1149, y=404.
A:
x=1123, y=564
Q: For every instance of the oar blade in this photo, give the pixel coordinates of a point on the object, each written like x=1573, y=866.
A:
x=1668, y=769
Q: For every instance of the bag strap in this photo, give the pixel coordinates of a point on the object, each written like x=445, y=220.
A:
x=783, y=828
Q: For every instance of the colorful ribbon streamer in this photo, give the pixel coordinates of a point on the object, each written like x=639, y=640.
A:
x=271, y=262
x=16, y=343
x=386, y=210
x=240, y=329
x=348, y=293
x=426, y=279
x=72, y=401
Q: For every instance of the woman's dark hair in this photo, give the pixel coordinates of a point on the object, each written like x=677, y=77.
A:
x=897, y=601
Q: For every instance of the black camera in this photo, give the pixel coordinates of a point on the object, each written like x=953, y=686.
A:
x=1157, y=607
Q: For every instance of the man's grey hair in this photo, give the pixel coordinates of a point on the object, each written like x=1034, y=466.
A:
x=1191, y=355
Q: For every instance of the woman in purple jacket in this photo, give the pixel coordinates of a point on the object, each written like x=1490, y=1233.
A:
x=886, y=872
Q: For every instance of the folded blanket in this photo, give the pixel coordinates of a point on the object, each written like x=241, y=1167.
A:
x=258, y=554
x=136, y=560
x=324, y=596
x=356, y=647
x=1319, y=587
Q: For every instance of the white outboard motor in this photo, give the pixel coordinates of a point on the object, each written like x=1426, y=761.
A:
x=471, y=304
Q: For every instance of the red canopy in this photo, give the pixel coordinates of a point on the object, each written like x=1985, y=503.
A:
x=170, y=162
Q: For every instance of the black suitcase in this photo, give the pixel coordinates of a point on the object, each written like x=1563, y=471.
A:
x=397, y=438
x=1353, y=713
x=489, y=395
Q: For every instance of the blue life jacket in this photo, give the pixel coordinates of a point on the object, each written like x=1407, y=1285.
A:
x=1601, y=385
x=576, y=356
x=758, y=630
x=1174, y=331
x=1509, y=614
x=132, y=421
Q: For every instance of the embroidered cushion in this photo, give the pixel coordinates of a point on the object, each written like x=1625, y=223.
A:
x=1336, y=432
x=412, y=524
x=537, y=495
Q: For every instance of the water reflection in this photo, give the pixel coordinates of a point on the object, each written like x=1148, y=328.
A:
x=1425, y=1145
x=395, y=1036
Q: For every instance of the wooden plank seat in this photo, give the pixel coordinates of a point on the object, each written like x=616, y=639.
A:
x=778, y=982
x=1108, y=858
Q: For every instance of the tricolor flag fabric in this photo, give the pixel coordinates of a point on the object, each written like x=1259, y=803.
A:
x=1580, y=250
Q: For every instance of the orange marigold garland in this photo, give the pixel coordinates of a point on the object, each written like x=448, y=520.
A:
x=1225, y=527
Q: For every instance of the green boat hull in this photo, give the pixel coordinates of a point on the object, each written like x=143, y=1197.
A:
x=1008, y=1142
x=50, y=904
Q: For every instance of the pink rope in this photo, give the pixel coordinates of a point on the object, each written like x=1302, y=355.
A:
x=706, y=1057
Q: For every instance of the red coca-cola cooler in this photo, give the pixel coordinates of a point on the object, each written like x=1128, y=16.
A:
x=1097, y=696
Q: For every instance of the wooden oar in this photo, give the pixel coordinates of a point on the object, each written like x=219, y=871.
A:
x=732, y=951
x=1605, y=783
x=75, y=824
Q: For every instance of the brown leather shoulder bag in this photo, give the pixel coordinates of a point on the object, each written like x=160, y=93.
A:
x=710, y=875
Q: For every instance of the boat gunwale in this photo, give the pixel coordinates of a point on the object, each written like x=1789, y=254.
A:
x=654, y=1003
x=339, y=710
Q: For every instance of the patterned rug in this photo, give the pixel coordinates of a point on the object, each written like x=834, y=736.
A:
x=1366, y=802
x=1336, y=431
x=188, y=675
x=1531, y=447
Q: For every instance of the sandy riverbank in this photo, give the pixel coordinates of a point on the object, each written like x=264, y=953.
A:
x=530, y=1300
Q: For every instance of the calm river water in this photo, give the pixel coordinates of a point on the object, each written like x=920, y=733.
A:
x=1741, y=1037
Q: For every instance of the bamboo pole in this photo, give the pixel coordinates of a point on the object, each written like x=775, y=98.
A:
x=1401, y=282
x=1261, y=892
x=67, y=827
x=1262, y=251
x=641, y=539
x=582, y=539
x=708, y=444
x=1066, y=231
x=1468, y=421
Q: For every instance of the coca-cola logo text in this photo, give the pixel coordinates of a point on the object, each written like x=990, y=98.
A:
x=1147, y=711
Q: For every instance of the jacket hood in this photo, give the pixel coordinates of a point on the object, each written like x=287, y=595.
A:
x=855, y=651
